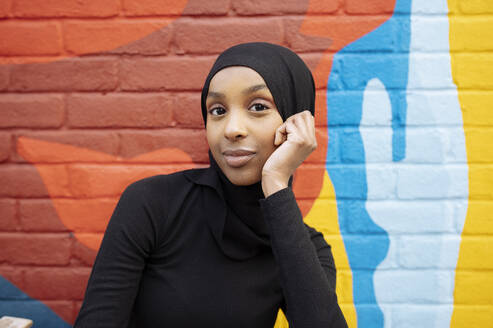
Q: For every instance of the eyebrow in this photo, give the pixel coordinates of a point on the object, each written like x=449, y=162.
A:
x=248, y=90
x=213, y=94
x=254, y=88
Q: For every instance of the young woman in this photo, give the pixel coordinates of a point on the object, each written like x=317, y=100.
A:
x=224, y=246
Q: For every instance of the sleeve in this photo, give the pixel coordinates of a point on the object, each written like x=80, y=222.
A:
x=115, y=277
x=307, y=270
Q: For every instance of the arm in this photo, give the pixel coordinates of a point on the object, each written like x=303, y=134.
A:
x=325, y=258
x=305, y=267
x=307, y=272
x=115, y=277
x=324, y=255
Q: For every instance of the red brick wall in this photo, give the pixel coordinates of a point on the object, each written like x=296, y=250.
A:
x=97, y=94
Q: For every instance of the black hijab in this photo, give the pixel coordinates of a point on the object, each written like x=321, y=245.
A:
x=242, y=232
x=286, y=75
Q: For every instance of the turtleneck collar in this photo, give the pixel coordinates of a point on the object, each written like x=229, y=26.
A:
x=233, y=213
x=243, y=201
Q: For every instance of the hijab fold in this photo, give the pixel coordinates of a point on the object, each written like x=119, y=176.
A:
x=233, y=214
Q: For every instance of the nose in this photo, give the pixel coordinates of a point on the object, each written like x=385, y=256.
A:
x=235, y=126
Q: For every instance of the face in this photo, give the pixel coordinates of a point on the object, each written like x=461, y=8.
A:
x=241, y=122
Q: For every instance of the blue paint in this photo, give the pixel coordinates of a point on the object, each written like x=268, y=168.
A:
x=15, y=303
x=382, y=54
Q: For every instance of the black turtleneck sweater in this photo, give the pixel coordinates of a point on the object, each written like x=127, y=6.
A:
x=191, y=249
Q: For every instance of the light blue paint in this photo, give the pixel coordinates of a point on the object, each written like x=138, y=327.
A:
x=405, y=315
x=419, y=269
x=381, y=54
x=15, y=303
x=423, y=287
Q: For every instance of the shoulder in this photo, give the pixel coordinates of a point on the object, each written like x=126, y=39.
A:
x=162, y=188
x=156, y=196
x=162, y=182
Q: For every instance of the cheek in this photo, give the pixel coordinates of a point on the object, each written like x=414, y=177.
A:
x=268, y=136
x=211, y=137
x=268, y=131
x=266, y=139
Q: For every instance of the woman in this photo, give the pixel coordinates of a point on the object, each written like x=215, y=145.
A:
x=224, y=246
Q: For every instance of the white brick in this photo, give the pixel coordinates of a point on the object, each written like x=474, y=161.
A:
x=459, y=214
x=387, y=315
x=412, y=217
x=381, y=181
x=429, y=28
x=430, y=75
x=455, y=151
x=432, y=181
x=429, y=7
x=430, y=142
x=428, y=251
x=391, y=259
x=432, y=108
x=414, y=286
x=422, y=316
x=378, y=144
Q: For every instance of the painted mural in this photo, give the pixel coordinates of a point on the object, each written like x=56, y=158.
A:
x=400, y=185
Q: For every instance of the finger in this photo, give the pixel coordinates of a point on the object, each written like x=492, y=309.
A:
x=293, y=132
x=280, y=135
x=311, y=117
x=309, y=122
x=311, y=129
x=302, y=123
x=306, y=129
x=307, y=115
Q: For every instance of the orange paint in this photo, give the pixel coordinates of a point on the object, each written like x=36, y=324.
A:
x=342, y=31
x=79, y=36
x=83, y=37
x=85, y=184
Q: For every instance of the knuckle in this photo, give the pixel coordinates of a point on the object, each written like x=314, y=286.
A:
x=299, y=141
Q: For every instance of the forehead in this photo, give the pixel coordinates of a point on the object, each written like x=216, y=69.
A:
x=235, y=76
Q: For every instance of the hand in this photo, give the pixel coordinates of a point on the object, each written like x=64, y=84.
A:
x=296, y=140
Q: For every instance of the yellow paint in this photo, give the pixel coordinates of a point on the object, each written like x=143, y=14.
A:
x=480, y=152
x=474, y=6
x=473, y=110
x=474, y=248
x=469, y=289
x=323, y=217
x=473, y=75
x=472, y=315
x=482, y=211
x=281, y=321
x=471, y=70
x=468, y=30
x=480, y=178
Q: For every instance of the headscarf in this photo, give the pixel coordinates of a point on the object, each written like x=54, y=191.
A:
x=286, y=75
x=242, y=233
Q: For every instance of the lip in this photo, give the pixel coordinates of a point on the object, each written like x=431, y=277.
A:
x=238, y=157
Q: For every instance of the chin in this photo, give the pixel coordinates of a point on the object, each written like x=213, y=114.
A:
x=243, y=178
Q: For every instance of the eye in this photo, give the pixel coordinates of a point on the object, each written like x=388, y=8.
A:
x=258, y=107
x=217, y=111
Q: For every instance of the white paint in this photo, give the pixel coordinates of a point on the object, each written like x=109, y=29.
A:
x=432, y=175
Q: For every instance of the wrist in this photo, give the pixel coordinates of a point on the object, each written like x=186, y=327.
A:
x=272, y=184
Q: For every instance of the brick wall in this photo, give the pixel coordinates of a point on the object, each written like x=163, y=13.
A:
x=95, y=95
